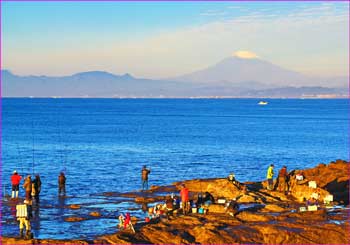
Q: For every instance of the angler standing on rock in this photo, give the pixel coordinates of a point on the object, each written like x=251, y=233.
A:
x=61, y=184
x=184, y=199
x=37, y=187
x=145, y=172
x=270, y=177
x=282, y=180
x=28, y=188
x=15, y=179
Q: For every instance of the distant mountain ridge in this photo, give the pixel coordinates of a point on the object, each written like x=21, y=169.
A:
x=232, y=77
x=238, y=70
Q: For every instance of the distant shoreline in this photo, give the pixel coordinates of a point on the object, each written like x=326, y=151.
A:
x=197, y=98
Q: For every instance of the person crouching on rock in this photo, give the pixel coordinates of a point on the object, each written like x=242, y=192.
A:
x=208, y=199
x=184, y=199
x=169, y=206
x=232, y=207
x=269, y=177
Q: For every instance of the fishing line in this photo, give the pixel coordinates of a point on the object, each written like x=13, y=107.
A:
x=19, y=157
x=33, y=158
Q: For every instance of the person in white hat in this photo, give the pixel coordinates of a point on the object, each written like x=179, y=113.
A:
x=23, y=213
x=15, y=180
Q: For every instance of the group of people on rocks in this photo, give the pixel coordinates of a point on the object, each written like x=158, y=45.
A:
x=33, y=187
x=32, y=190
x=282, y=179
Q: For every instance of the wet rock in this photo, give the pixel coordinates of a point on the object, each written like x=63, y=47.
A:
x=74, y=206
x=254, y=217
x=272, y=208
x=74, y=219
x=149, y=199
x=95, y=214
x=7, y=240
x=246, y=199
x=216, y=208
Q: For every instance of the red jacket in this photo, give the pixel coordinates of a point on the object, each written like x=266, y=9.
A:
x=184, y=194
x=15, y=179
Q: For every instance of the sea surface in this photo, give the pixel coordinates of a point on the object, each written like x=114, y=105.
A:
x=102, y=144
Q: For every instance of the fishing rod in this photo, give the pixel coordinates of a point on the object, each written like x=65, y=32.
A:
x=19, y=157
x=33, y=158
x=60, y=151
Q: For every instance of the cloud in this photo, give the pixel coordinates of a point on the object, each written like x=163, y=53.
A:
x=245, y=54
x=213, y=13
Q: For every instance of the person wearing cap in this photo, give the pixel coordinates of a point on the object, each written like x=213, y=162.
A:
x=28, y=187
x=24, y=214
x=184, y=199
x=61, y=184
x=15, y=180
x=144, y=173
x=270, y=177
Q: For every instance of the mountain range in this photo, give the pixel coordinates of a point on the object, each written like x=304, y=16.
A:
x=231, y=77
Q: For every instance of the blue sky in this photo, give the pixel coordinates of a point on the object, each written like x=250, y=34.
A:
x=164, y=39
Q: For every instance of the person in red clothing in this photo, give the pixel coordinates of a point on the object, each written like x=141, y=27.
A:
x=15, y=180
x=127, y=220
x=282, y=180
x=184, y=199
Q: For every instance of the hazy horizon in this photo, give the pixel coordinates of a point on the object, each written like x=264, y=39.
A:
x=157, y=40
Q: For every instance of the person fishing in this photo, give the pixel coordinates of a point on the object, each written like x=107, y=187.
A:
x=270, y=177
x=184, y=199
x=28, y=187
x=23, y=213
x=61, y=184
x=15, y=180
x=37, y=187
x=144, y=173
x=282, y=180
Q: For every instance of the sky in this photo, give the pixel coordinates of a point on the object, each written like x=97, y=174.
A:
x=167, y=39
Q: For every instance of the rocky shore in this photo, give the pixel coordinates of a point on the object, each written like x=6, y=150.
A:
x=264, y=217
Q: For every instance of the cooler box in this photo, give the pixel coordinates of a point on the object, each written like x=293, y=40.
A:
x=328, y=198
x=194, y=210
x=221, y=201
x=312, y=184
x=312, y=208
x=201, y=210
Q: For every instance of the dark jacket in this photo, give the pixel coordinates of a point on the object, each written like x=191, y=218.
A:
x=62, y=179
x=145, y=173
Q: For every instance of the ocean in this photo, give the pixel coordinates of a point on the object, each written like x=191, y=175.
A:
x=102, y=144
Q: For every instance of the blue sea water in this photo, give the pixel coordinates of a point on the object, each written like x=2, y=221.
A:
x=102, y=144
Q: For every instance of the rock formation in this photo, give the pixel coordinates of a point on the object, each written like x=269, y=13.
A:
x=264, y=217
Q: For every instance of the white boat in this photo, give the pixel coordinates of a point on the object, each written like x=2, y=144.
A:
x=263, y=103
